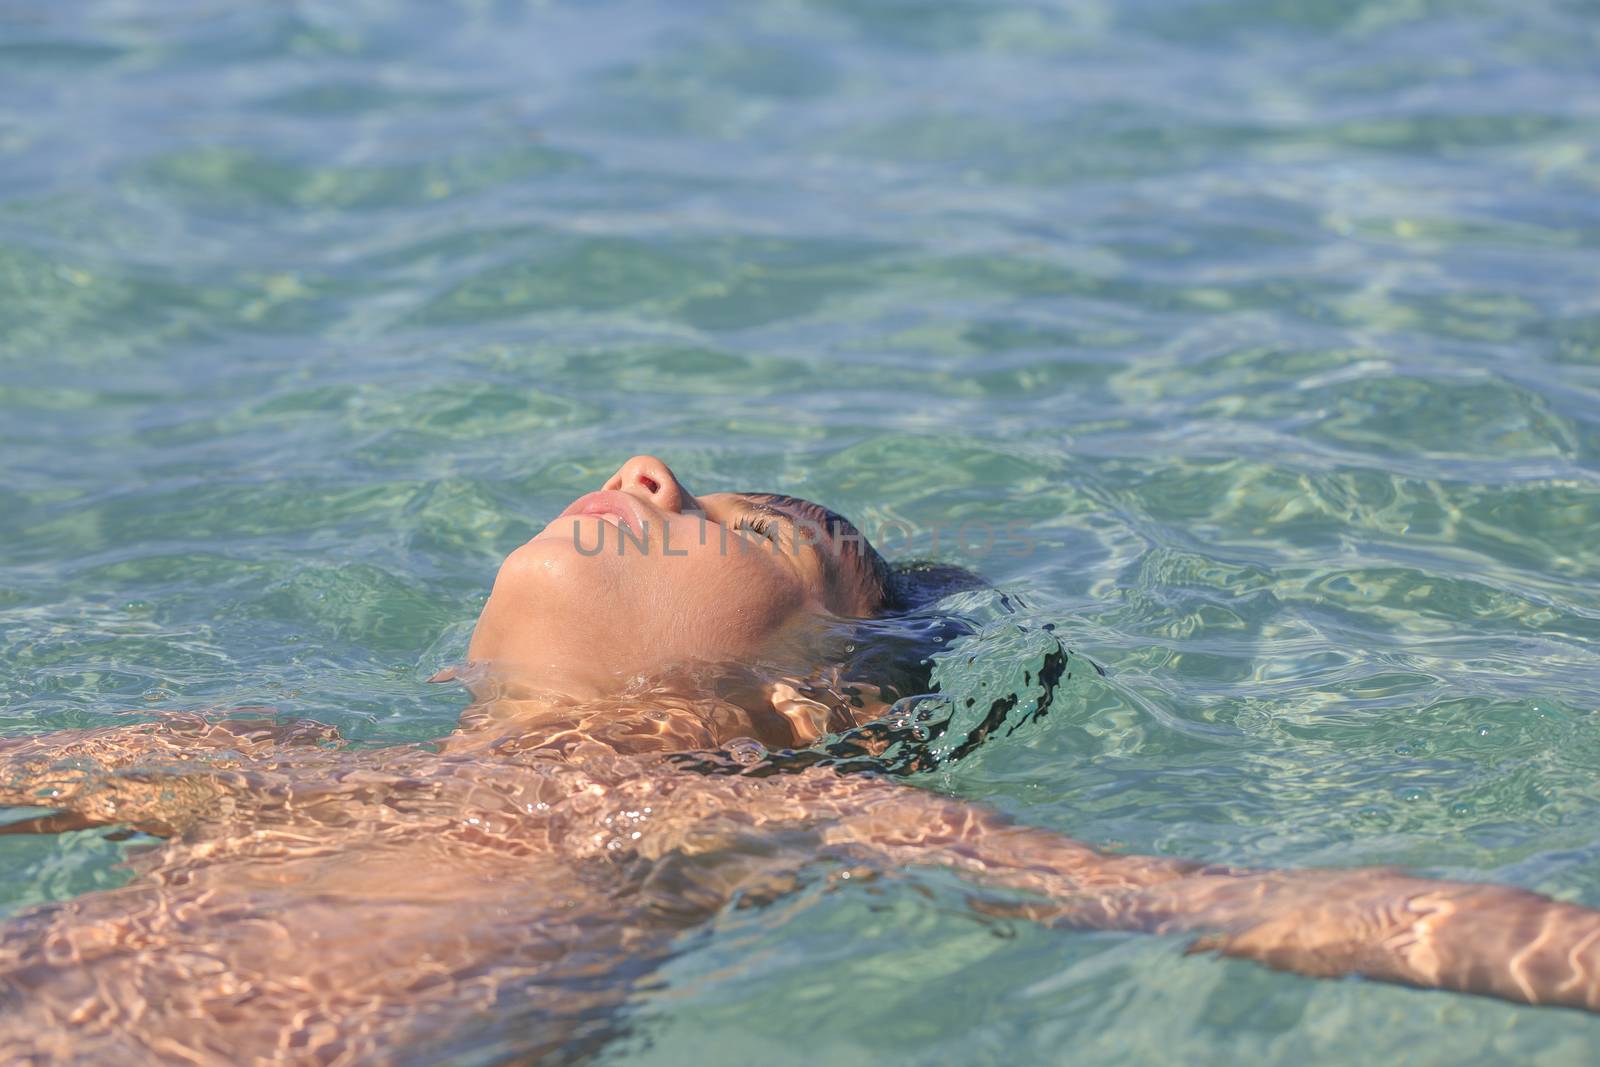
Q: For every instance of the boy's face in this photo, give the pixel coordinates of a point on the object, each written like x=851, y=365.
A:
x=642, y=576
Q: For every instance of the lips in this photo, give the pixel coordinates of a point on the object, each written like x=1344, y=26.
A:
x=613, y=505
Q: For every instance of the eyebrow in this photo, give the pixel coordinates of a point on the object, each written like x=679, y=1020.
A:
x=797, y=510
x=768, y=509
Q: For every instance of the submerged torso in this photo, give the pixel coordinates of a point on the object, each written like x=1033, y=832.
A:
x=514, y=876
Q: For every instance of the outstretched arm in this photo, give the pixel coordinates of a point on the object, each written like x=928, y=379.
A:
x=1382, y=924
x=138, y=774
x=1378, y=923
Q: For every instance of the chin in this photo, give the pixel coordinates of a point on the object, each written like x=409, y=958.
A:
x=554, y=560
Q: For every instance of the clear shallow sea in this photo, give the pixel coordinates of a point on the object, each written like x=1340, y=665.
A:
x=1277, y=323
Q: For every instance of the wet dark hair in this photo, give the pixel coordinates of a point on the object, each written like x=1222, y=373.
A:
x=896, y=651
x=893, y=647
x=892, y=650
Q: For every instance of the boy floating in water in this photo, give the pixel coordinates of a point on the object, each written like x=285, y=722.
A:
x=501, y=890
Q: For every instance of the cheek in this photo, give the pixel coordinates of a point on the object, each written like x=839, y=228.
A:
x=542, y=576
x=635, y=612
x=527, y=592
x=737, y=601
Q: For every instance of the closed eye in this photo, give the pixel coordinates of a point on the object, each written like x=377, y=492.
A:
x=766, y=523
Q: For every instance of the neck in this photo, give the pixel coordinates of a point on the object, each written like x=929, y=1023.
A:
x=677, y=715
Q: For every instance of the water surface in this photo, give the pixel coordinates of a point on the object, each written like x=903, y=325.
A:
x=1277, y=324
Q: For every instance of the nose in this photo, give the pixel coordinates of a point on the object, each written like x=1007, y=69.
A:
x=648, y=477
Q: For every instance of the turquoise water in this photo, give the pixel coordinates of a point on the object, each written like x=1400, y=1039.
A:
x=1277, y=324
